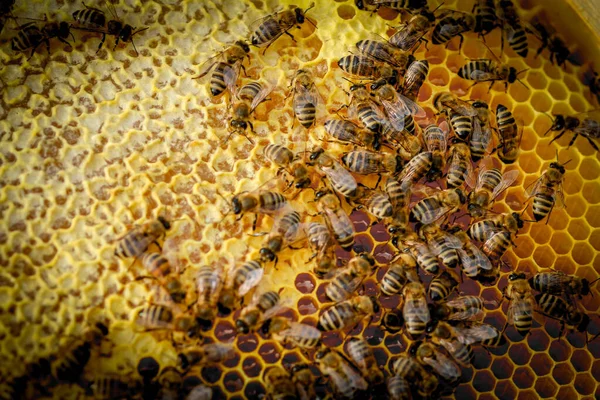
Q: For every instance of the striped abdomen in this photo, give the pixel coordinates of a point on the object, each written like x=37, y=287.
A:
x=336, y=317
x=368, y=116
x=271, y=201
x=462, y=125
x=485, y=16
x=542, y=205
x=266, y=32
x=496, y=246
x=481, y=230
x=71, y=362
x=522, y=316
x=157, y=264
x=466, y=70
x=90, y=17
x=358, y=65
x=217, y=79
x=304, y=109
x=154, y=316
x=413, y=317
x=133, y=244
x=27, y=38
x=379, y=205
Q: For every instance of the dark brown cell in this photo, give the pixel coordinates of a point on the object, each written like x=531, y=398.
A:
x=247, y=343
x=331, y=339
x=538, y=340
x=470, y=288
x=363, y=243
x=380, y=234
x=466, y=375
x=566, y=392
x=596, y=370
x=254, y=390
x=546, y=387
x=465, y=391
x=232, y=361
x=211, y=374
x=581, y=360
x=482, y=359
x=584, y=383
x=575, y=338
x=269, y=353
x=563, y=374
x=594, y=348
x=307, y=305
x=541, y=364
x=505, y=390
x=321, y=296
x=559, y=351
x=527, y=395
x=373, y=335
x=290, y=358
x=233, y=382
x=519, y=353
x=483, y=381
x=502, y=368
x=389, y=302
x=381, y=356
x=370, y=288
x=395, y=344
x=305, y=283
x=225, y=331
x=361, y=221
x=190, y=382
x=252, y=367
x=523, y=377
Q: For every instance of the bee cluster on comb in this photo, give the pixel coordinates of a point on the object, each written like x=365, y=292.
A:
x=313, y=222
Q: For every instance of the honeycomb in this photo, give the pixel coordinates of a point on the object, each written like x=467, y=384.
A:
x=95, y=143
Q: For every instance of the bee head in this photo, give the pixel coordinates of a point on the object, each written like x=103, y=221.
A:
x=558, y=166
x=431, y=326
x=316, y=154
x=242, y=327
x=266, y=254
x=360, y=4
x=514, y=276
x=148, y=368
x=115, y=27
x=237, y=123
x=375, y=304
x=367, y=257
x=518, y=219
x=302, y=183
x=236, y=205
x=243, y=45
x=166, y=224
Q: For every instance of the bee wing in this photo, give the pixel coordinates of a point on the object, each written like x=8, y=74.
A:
x=461, y=107
x=299, y=330
x=480, y=258
x=559, y=197
x=470, y=179
x=396, y=111
x=475, y=334
x=304, y=96
x=207, y=65
x=438, y=213
x=420, y=303
x=415, y=109
x=520, y=307
x=534, y=187
x=252, y=279
x=452, y=241
x=260, y=96
x=507, y=180
x=383, y=53
x=337, y=173
x=444, y=366
x=483, y=76
x=230, y=74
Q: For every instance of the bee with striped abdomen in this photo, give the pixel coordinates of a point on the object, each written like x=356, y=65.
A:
x=442, y=286
x=407, y=5
x=360, y=352
x=558, y=283
x=348, y=313
x=286, y=331
x=486, y=70
x=226, y=71
x=305, y=98
x=29, y=36
x=522, y=303
x=262, y=307
x=495, y=247
x=406, y=367
x=478, y=333
x=546, y=34
x=399, y=196
x=567, y=313
x=441, y=243
x=348, y=132
x=367, y=162
x=473, y=261
x=137, y=241
x=162, y=317
x=490, y=183
x=481, y=143
x=376, y=202
x=321, y=241
x=397, y=106
x=347, y=280
x=547, y=191
x=385, y=52
x=285, y=231
x=512, y=29
x=435, y=138
x=414, y=310
x=482, y=230
x=409, y=242
x=411, y=33
x=279, y=384
x=460, y=169
x=259, y=202
x=416, y=168
x=304, y=380
x=247, y=99
x=346, y=381
x=447, y=103
x=94, y=20
x=442, y=334
x=292, y=164
x=159, y=268
x=337, y=219
x=406, y=144
x=340, y=179
x=428, y=356
x=240, y=281
x=398, y=388
x=586, y=124
x=415, y=76
x=363, y=108
x=365, y=67
x=441, y=203
x=451, y=26
x=508, y=150
x=268, y=29
x=461, y=308
x=485, y=17
x=209, y=282
x=400, y=271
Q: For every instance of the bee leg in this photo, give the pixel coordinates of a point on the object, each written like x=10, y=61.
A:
x=243, y=69
x=290, y=35
x=254, y=222
x=62, y=40
x=594, y=145
x=101, y=42
x=139, y=278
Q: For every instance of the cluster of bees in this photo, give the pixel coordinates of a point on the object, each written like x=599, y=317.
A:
x=33, y=34
x=397, y=143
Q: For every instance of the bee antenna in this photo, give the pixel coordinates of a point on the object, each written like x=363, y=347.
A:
x=521, y=82
x=346, y=79
x=493, y=54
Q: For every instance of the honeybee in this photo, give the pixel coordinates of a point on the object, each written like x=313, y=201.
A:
x=508, y=150
x=384, y=52
x=547, y=191
x=208, y=287
x=341, y=180
x=397, y=106
x=478, y=333
x=486, y=70
x=482, y=230
x=319, y=237
x=442, y=286
x=337, y=219
x=364, y=66
x=399, y=196
x=451, y=26
x=441, y=243
x=279, y=383
x=406, y=367
x=446, y=103
x=399, y=273
x=326, y=263
x=29, y=36
x=262, y=307
x=472, y=259
x=347, y=313
x=367, y=162
x=558, y=283
x=567, y=313
x=359, y=351
x=409, y=34
x=211, y=353
x=459, y=309
x=485, y=16
x=490, y=183
x=93, y=20
x=364, y=108
x=435, y=138
x=414, y=310
x=444, y=202
x=259, y=202
x=459, y=168
x=247, y=99
x=398, y=388
x=376, y=202
x=240, y=281
x=268, y=29
x=481, y=136
x=546, y=34
x=305, y=98
x=442, y=334
x=416, y=168
x=427, y=355
x=226, y=71
x=512, y=29
x=522, y=303
x=163, y=317
x=137, y=241
x=414, y=78
x=290, y=163
x=160, y=268
x=586, y=125
x=495, y=247
x=285, y=230
x=346, y=131
x=347, y=280
x=406, y=144
x=304, y=380
x=410, y=243
x=289, y=332
x=345, y=379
